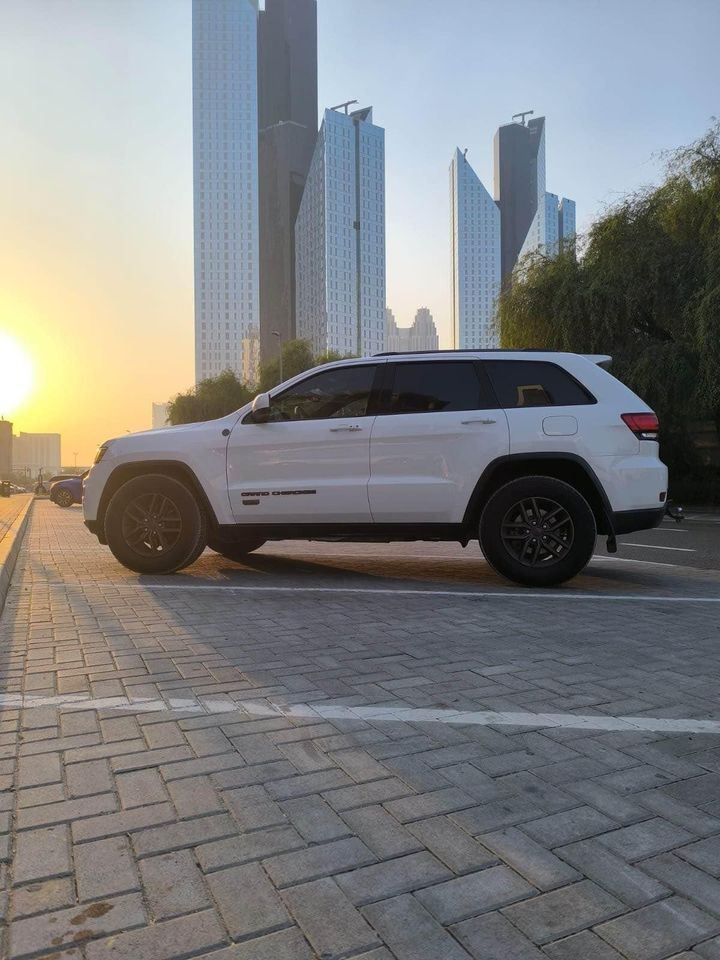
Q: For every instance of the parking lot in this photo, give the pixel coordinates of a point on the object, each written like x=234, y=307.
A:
x=367, y=751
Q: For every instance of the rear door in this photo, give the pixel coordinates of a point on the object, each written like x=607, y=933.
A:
x=437, y=429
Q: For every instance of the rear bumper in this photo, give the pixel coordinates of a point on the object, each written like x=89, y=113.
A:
x=628, y=521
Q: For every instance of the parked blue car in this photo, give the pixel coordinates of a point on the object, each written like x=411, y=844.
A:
x=67, y=491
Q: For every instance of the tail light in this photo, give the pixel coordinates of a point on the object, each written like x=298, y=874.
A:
x=645, y=426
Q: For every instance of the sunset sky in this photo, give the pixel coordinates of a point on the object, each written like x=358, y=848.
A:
x=96, y=273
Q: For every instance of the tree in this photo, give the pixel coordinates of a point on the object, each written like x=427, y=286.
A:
x=644, y=287
x=297, y=357
x=211, y=398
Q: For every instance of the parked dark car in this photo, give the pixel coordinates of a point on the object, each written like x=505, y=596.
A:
x=67, y=490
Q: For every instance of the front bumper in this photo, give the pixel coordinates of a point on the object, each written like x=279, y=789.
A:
x=629, y=521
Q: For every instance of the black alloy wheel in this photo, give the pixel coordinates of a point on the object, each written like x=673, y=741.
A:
x=537, y=531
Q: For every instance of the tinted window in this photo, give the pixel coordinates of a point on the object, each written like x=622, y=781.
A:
x=342, y=392
x=532, y=383
x=435, y=388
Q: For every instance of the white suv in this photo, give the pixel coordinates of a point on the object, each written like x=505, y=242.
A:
x=533, y=453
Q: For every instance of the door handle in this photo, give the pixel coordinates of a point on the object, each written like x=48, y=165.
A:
x=350, y=429
x=478, y=420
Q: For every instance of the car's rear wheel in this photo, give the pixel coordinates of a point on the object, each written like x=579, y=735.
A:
x=64, y=498
x=537, y=531
x=237, y=550
x=154, y=524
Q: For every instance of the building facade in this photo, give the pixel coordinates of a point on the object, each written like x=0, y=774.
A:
x=287, y=120
x=475, y=242
x=251, y=358
x=33, y=452
x=532, y=220
x=421, y=336
x=225, y=181
x=6, y=448
x=340, y=238
x=159, y=416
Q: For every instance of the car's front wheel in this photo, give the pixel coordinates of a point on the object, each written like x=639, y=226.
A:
x=537, y=531
x=63, y=498
x=238, y=550
x=154, y=524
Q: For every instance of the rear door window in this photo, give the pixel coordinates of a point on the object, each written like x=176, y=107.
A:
x=435, y=387
x=534, y=383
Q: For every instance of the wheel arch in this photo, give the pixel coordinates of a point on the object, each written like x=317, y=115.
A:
x=567, y=467
x=168, y=468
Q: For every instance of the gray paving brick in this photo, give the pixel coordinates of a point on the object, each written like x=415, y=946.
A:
x=329, y=921
x=645, y=839
x=532, y=861
x=704, y=854
x=139, y=788
x=305, y=784
x=181, y=937
x=492, y=937
x=392, y=877
x=244, y=849
x=195, y=797
x=285, y=945
x=359, y=765
x=562, y=912
x=173, y=884
x=86, y=779
x=497, y=813
x=453, y=845
x=104, y=868
x=42, y=853
x=42, y=897
x=426, y=805
x=65, y=811
x=199, y=766
x=381, y=832
x=314, y=819
x=709, y=950
x=65, y=928
x=628, y=883
x=124, y=822
x=623, y=809
x=659, y=930
x=35, y=771
x=411, y=932
x=699, y=822
x=475, y=893
x=417, y=774
x=188, y=833
x=252, y=808
x=686, y=880
x=581, y=946
x=568, y=826
x=365, y=794
x=319, y=861
x=248, y=902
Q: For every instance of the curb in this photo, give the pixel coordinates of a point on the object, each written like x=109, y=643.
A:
x=10, y=548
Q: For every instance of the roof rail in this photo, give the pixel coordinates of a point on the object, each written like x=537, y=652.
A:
x=402, y=353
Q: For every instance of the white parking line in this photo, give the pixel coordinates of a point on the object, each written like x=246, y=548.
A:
x=384, y=712
x=615, y=559
x=519, y=594
x=655, y=546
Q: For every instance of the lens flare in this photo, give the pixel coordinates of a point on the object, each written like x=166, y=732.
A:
x=17, y=375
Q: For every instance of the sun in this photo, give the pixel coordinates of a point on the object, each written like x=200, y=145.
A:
x=17, y=375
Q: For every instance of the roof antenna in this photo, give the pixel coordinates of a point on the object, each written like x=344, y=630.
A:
x=525, y=113
x=347, y=104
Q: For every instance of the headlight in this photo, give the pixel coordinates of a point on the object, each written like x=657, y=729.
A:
x=101, y=451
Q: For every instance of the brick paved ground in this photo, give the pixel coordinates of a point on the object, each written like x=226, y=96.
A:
x=249, y=835
x=10, y=508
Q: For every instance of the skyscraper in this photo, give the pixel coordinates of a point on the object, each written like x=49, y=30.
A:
x=287, y=119
x=340, y=238
x=225, y=175
x=476, y=253
x=532, y=220
x=422, y=335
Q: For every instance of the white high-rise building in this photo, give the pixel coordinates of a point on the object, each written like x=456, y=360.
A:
x=475, y=245
x=340, y=238
x=566, y=220
x=225, y=181
x=422, y=335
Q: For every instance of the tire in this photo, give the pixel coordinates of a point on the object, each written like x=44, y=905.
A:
x=238, y=550
x=154, y=524
x=516, y=550
x=63, y=498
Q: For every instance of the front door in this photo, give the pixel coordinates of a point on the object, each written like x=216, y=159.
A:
x=438, y=428
x=311, y=462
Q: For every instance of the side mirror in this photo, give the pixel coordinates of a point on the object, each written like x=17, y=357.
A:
x=261, y=408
